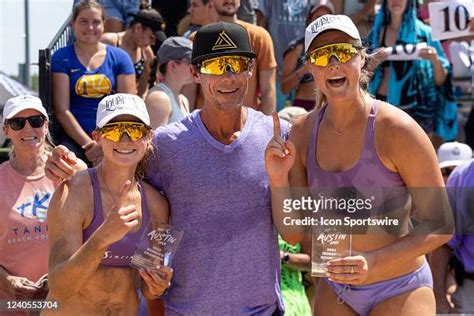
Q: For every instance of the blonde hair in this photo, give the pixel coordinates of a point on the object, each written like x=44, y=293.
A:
x=143, y=164
x=365, y=75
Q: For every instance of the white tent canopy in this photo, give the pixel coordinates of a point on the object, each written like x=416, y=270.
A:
x=10, y=88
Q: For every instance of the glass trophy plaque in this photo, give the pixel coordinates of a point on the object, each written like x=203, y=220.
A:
x=157, y=246
x=328, y=243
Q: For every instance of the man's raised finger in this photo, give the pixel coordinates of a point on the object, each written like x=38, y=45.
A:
x=276, y=126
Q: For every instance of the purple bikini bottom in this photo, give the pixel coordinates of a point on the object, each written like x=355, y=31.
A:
x=362, y=299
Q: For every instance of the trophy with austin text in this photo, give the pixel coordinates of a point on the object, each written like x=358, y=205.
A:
x=157, y=246
x=328, y=242
x=332, y=237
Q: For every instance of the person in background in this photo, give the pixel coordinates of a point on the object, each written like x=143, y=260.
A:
x=24, y=202
x=290, y=114
x=145, y=30
x=82, y=74
x=422, y=88
x=457, y=255
x=201, y=12
x=293, y=262
x=285, y=21
x=118, y=13
x=451, y=155
x=98, y=217
x=360, y=11
x=172, y=11
x=295, y=75
x=164, y=102
x=469, y=127
x=246, y=11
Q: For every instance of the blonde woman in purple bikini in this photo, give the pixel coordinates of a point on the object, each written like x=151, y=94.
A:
x=97, y=218
x=353, y=140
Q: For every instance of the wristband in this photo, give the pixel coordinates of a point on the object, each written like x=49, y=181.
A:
x=286, y=258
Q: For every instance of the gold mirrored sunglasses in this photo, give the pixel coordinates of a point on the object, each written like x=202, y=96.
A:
x=220, y=65
x=114, y=131
x=342, y=51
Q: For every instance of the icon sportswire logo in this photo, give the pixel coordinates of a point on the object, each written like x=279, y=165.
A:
x=223, y=42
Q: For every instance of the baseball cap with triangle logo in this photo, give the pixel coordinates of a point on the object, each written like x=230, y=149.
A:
x=224, y=42
x=221, y=39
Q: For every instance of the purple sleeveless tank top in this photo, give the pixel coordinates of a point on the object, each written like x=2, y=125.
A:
x=369, y=171
x=120, y=253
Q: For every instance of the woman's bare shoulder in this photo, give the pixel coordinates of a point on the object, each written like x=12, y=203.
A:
x=391, y=118
x=73, y=198
x=396, y=130
x=79, y=188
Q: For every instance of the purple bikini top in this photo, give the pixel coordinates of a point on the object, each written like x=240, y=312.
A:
x=368, y=178
x=118, y=254
x=368, y=171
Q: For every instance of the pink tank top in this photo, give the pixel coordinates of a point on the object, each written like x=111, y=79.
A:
x=118, y=254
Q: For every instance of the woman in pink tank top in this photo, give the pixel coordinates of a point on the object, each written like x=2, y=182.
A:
x=24, y=199
x=353, y=143
x=97, y=218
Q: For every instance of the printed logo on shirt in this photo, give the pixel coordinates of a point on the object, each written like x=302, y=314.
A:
x=75, y=69
x=111, y=256
x=34, y=206
x=93, y=86
x=223, y=42
x=20, y=234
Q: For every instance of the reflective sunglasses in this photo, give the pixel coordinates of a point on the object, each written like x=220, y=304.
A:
x=219, y=65
x=114, y=131
x=342, y=51
x=18, y=123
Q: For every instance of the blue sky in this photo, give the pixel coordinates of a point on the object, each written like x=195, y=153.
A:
x=46, y=17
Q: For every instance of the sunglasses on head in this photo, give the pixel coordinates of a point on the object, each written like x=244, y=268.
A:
x=114, y=131
x=18, y=123
x=220, y=65
x=342, y=51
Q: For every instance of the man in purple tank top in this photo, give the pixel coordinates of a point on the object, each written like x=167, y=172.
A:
x=228, y=260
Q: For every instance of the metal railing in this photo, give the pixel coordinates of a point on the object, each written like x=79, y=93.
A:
x=60, y=40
